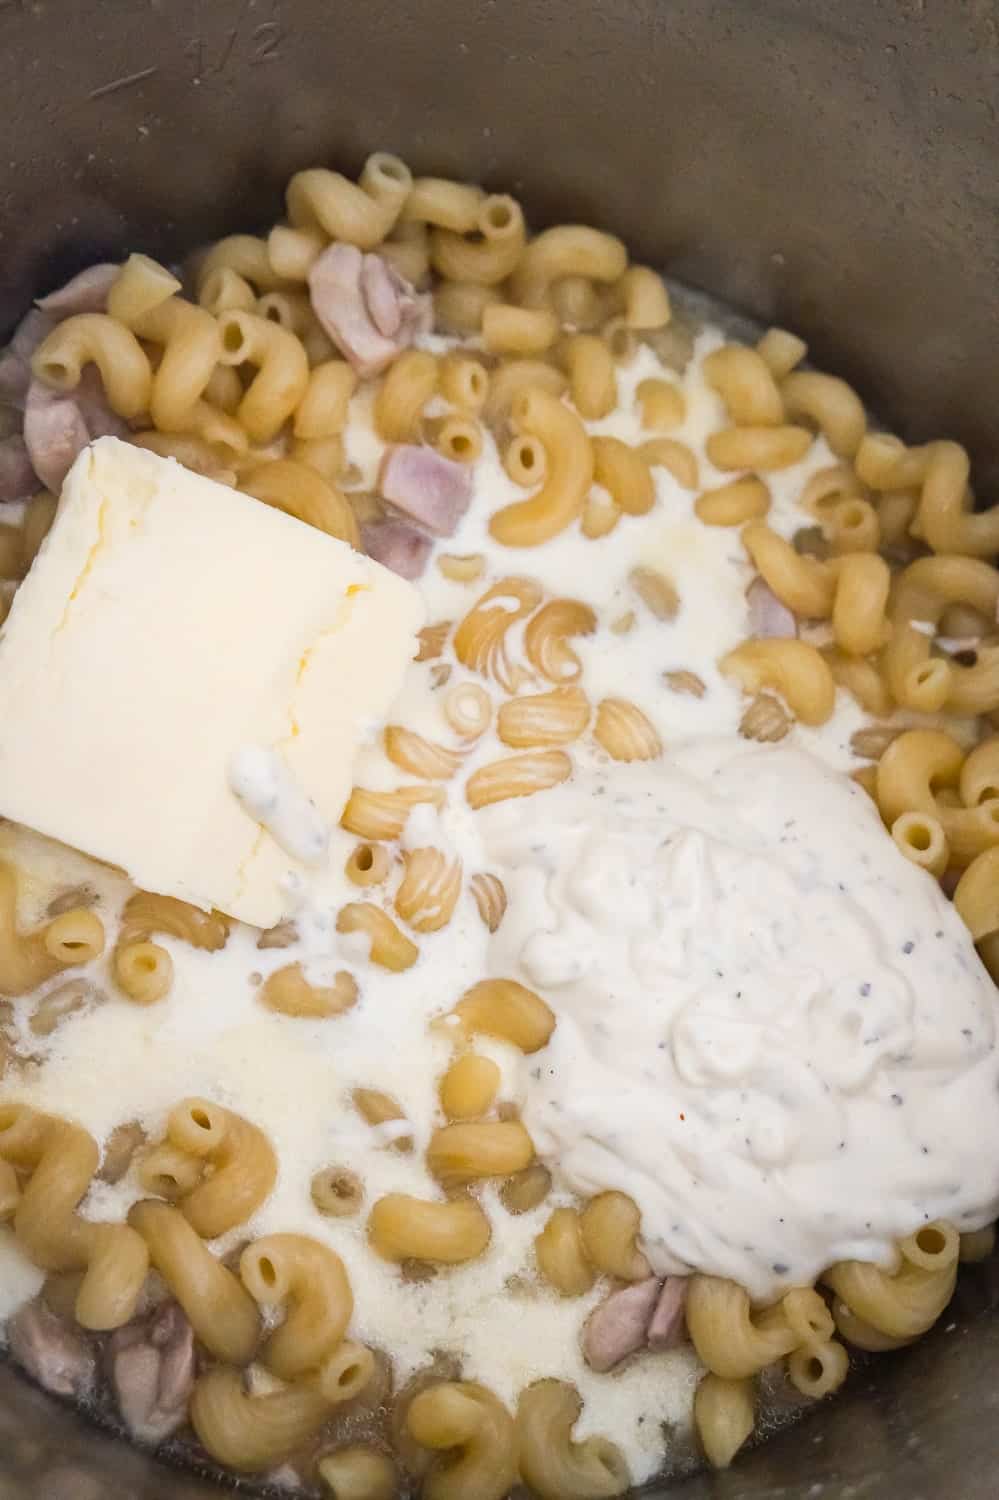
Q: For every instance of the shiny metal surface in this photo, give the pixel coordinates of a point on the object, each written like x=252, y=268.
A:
x=828, y=166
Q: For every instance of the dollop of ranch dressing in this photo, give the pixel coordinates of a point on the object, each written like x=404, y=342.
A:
x=773, y=1030
x=275, y=799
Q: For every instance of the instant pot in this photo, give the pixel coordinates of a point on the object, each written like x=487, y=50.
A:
x=828, y=165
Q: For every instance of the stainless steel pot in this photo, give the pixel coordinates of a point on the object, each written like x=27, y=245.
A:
x=830, y=166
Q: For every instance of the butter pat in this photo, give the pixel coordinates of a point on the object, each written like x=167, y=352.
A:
x=168, y=622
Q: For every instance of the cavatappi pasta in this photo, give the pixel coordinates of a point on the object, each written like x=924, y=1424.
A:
x=350, y=1158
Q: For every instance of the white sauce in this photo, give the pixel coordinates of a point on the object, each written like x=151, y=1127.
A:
x=769, y=1083
x=770, y=1022
x=274, y=798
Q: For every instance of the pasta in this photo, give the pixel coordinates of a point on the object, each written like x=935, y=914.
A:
x=512, y=378
x=429, y=891
x=505, y=1009
x=360, y=213
x=253, y=1433
x=724, y=1415
x=420, y=757
x=469, y=1087
x=625, y=732
x=781, y=351
x=729, y=1340
x=26, y=961
x=609, y=1224
x=643, y=298
x=547, y=634
x=238, y=1165
x=459, y=306
x=288, y=991
x=592, y=378
x=337, y=1192
x=507, y=329
x=95, y=338
x=383, y=815
x=401, y=1228
x=62, y=1160
x=189, y=337
x=464, y=382
x=322, y=410
x=282, y=378
x=462, y=1153
x=568, y=472
x=667, y=453
x=756, y=447
x=499, y=222
x=555, y=1466
x=381, y=1109
x=567, y=250
x=310, y=1279
x=517, y=776
x=906, y=1304
x=744, y=381
x=293, y=252
x=624, y=473
x=732, y=504
x=525, y=1190
x=480, y=639
x=489, y=894
x=561, y=1255
x=553, y=718
x=661, y=403
x=356, y=1473
x=468, y=709
x=976, y=896
x=831, y=404
x=921, y=838
x=922, y=593
x=389, y=947
x=794, y=669
x=460, y=440
x=913, y=771
x=469, y=1419
x=445, y=204
x=405, y=390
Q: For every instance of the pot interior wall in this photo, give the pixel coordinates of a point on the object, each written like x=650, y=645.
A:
x=828, y=168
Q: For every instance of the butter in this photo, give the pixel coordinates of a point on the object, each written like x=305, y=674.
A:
x=167, y=622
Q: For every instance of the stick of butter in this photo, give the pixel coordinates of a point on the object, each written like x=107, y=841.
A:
x=167, y=624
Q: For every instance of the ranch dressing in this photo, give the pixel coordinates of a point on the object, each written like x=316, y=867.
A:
x=773, y=1031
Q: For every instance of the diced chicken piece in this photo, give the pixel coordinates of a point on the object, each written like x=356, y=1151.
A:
x=668, y=1326
x=32, y=330
x=768, y=617
x=618, y=1326
x=86, y=292
x=54, y=1354
x=59, y=425
x=15, y=360
x=54, y=433
x=15, y=377
x=17, y=477
x=381, y=287
x=369, y=311
x=432, y=490
x=152, y=1366
x=397, y=546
